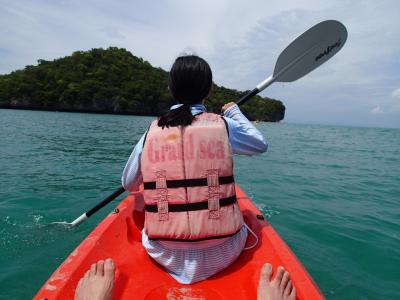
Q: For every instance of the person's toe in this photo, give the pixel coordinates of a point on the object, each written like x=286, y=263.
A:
x=285, y=280
x=109, y=267
x=288, y=288
x=81, y=283
x=266, y=272
x=80, y=288
x=87, y=274
x=279, y=275
x=293, y=293
x=264, y=281
x=93, y=268
x=100, y=268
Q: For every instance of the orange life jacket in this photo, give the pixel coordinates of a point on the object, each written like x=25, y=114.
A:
x=189, y=188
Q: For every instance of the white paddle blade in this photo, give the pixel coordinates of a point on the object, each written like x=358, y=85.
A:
x=310, y=50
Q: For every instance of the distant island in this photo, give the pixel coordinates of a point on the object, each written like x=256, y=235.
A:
x=110, y=81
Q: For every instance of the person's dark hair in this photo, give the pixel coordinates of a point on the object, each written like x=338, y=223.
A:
x=190, y=81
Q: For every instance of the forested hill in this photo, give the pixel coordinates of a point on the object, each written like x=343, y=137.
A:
x=112, y=81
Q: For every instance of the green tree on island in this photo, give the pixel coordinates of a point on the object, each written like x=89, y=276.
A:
x=111, y=81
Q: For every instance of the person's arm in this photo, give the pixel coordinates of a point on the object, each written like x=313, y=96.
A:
x=132, y=176
x=245, y=139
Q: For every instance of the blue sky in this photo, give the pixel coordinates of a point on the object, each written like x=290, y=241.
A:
x=360, y=86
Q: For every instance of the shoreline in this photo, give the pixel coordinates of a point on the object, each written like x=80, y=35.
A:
x=75, y=111
x=98, y=112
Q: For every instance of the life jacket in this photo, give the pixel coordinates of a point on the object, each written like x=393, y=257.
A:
x=189, y=188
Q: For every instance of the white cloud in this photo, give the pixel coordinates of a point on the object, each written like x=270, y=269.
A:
x=241, y=44
x=376, y=110
x=396, y=93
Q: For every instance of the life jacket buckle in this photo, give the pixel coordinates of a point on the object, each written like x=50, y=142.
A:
x=162, y=207
x=162, y=193
x=213, y=193
x=161, y=179
x=212, y=178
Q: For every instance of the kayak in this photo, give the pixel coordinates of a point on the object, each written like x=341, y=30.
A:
x=118, y=236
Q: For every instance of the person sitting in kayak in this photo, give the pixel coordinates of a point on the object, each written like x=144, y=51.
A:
x=193, y=225
x=98, y=283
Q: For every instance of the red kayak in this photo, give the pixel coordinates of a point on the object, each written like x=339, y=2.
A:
x=138, y=277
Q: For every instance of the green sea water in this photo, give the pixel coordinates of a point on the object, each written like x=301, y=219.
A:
x=332, y=193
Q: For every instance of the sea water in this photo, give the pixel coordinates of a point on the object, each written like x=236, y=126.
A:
x=331, y=192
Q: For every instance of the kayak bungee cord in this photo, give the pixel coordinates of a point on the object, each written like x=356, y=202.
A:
x=255, y=236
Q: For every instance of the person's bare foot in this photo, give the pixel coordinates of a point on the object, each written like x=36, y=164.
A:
x=98, y=282
x=280, y=288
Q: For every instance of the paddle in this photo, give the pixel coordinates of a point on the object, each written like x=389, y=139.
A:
x=97, y=207
x=304, y=54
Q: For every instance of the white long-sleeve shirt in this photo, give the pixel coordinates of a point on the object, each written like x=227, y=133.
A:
x=244, y=138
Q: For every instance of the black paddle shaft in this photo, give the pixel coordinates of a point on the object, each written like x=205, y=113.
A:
x=107, y=200
x=246, y=97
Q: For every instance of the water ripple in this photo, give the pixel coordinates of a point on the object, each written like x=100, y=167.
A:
x=331, y=192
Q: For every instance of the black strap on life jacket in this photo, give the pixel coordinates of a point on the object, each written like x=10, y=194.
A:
x=226, y=125
x=202, y=205
x=151, y=185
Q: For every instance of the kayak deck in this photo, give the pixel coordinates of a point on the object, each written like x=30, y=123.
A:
x=118, y=236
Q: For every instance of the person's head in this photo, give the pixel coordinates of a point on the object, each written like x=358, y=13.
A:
x=190, y=82
x=190, y=79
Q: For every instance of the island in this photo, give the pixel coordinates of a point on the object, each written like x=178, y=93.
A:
x=111, y=80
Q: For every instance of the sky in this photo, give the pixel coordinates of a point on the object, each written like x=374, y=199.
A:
x=241, y=40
